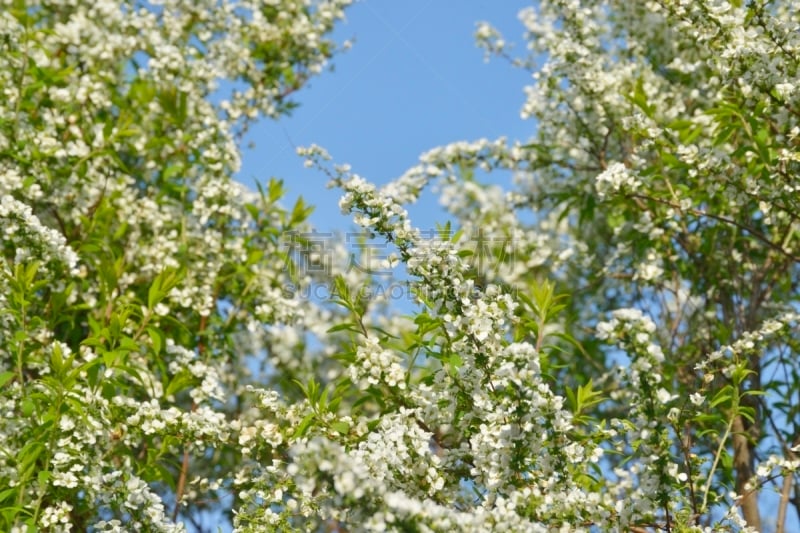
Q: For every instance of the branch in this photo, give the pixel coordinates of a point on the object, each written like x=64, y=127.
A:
x=788, y=478
x=742, y=462
x=788, y=481
x=181, y=481
x=181, y=488
x=700, y=213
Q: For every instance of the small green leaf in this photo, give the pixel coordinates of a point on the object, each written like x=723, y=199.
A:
x=178, y=383
x=171, y=171
x=5, y=377
x=27, y=407
x=128, y=344
x=276, y=190
x=167, y=280
x=300, y=212
x=110, y=358
x=44, y=477
x=724, y=395
x=348, y=326
x=302, y=429
x=56, y=358
x=341, y=427
x=4, y=495
x=454, y=362
x=157, y=338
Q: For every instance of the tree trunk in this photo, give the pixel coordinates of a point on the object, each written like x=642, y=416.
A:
x=743, y=463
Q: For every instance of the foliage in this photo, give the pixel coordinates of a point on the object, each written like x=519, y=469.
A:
x=609, y=344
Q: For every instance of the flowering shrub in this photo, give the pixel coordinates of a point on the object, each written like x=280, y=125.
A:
x=607, y=345
x=137, y=279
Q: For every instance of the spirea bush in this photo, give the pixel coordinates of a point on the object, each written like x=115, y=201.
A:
x=607, y=344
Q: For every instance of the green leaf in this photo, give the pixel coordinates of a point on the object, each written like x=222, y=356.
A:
x=110, y=358
x=724, y=395
x=572, y=399
x=162, y=284
x=302, y=428
x=27, y=407
x=322, y=401
x=639, y=98
x=748, y=413
x=127, y=344
x=761, y=139
x=157, y=338
x=454, y=362
x=341, y=427
x=180, y=382
x=56, y=358
x=300, y=212
x=171, y=171
x=43, y=477
x=347, y=326
x=584, y=397
x=5, y=377
x=4, y=495
x=276, y=190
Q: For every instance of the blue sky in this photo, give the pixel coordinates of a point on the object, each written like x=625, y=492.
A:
x=413, y=80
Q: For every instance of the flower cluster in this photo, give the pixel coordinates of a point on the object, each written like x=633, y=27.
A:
x=616, y=178
x=375, y=365
x=30, y=239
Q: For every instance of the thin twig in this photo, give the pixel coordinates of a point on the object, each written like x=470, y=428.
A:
x=788, y=478
x=181, y=488
x=700, y=213
x=181, y=483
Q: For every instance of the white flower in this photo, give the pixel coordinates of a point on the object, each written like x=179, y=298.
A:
x=697, y=399
x=785, y=90
x=664, y=396
x=617, y=177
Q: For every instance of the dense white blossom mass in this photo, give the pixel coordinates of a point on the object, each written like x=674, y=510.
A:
x=607, y=345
